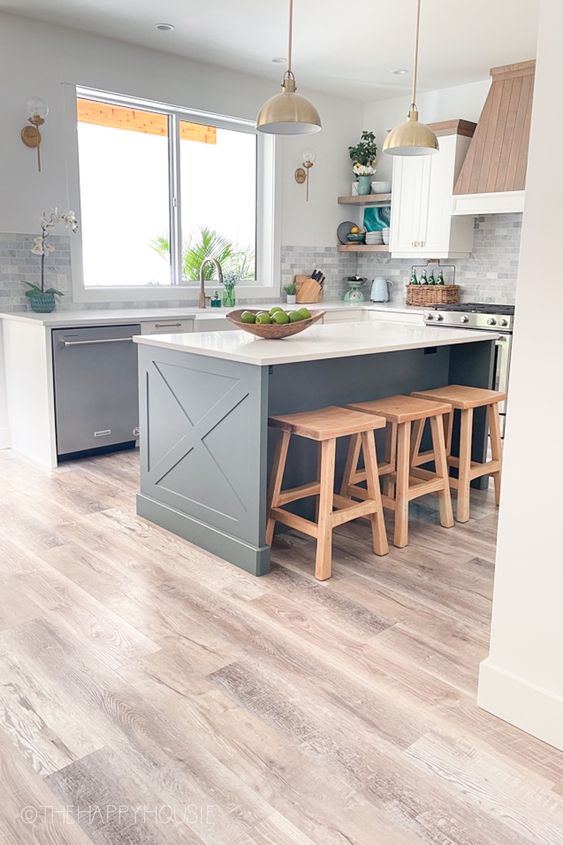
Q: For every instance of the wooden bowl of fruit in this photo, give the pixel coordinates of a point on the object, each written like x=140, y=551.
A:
x=276, y=323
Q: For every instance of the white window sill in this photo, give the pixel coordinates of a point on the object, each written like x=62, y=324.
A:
x=149, y=293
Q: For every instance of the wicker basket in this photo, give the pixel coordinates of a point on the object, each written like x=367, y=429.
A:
x=432, y=294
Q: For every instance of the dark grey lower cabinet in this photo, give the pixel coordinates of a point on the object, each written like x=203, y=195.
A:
x=96, y=389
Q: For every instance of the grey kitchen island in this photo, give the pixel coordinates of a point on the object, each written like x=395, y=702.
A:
x=205, y=401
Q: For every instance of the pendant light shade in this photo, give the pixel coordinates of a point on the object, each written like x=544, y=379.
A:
x=412, y=138
x=288, y=113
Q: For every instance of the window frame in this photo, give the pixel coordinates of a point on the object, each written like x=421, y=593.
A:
x=267, y=282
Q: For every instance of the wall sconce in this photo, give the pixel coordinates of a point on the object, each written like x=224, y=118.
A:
x=37, y=111
x=302, y=173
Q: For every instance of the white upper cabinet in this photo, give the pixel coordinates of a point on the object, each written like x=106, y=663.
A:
x=422, y=223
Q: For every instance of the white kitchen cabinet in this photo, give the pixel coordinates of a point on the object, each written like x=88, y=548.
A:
x=416, y=318
x=344, y=315
x=422, y=220
x=167, y=326
x=213, y=324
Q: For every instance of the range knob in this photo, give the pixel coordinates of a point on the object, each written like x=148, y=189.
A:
x=503, y=322
x=464, y=319
x=439, y=317
x=491, y=321
x=430, y=316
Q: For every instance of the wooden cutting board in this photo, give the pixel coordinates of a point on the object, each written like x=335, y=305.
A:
x=308, y=290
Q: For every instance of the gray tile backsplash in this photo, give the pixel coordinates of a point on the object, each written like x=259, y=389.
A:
x=488, y=275
x=18, y=264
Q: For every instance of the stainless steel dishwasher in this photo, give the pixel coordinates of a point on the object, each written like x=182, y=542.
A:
x=96, y=391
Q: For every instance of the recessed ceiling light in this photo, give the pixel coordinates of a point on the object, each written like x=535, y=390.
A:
x=164, y=27
x=401, y=71
x=279, y=60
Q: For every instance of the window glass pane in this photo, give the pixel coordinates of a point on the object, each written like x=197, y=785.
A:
x=218, y=199
x=123, y=154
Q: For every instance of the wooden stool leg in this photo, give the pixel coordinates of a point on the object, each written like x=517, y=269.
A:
x=448, y=430
x=441, y=462
x=274, y=490
x=378, y=533
x=496, y=446
x=401, y=534
x=351, y=465
x=417, y=432
x=390, y=458
x=323, y=564
x=464, y=481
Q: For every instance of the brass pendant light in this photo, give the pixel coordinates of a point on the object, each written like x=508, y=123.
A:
x=288, y=113
x=412, y=138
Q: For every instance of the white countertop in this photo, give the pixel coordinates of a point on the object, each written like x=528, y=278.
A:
x=319, y=341
x=109, y=316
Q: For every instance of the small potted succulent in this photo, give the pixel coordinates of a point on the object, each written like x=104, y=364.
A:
x=42, y=299
x=290, y=293
x=364, y=156
x=229, y=295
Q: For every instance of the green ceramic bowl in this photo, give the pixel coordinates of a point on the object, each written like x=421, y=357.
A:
x=356, y=238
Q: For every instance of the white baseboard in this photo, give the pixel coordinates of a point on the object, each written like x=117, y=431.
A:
x=531, y=708
x=4, y=438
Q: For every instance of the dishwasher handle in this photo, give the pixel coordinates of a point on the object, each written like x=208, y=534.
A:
x=68, y=343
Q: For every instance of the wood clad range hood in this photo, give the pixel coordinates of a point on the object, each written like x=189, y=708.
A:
x=493, y=176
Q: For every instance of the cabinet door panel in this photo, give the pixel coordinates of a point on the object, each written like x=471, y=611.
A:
x=408, y=190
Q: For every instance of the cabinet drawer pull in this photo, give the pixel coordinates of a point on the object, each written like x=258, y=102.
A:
x=68, y=343
x=167, y=325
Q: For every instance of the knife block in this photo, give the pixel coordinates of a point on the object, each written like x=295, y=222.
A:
x=308, y=290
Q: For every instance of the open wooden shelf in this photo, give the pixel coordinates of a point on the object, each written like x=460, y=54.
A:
x=362, y=247
x=366, y=199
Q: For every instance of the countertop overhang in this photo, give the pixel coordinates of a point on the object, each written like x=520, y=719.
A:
x=318, y=342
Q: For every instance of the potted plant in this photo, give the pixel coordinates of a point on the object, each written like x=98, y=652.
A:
x=364, y=156
x=290, y=293
x=42, y=299
x=229, y=296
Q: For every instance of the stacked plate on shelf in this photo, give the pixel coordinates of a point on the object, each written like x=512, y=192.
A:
x=374, y=238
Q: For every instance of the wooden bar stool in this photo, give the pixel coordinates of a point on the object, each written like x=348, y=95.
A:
x=406, y=482
x=325, y=426
x=465, y=399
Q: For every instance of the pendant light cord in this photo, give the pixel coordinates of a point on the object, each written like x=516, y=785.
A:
x=289, y=49
x=415, y=63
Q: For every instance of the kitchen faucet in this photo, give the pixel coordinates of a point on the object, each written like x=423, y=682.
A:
x=202, y=278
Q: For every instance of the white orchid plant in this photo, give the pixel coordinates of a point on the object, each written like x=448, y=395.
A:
x=43, y=247
x=363, y=169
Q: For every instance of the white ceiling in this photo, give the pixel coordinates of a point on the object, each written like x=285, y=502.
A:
x=350, y=48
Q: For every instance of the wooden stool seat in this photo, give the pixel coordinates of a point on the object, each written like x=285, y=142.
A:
x=404, y=482
x=401, y=409
x=465, y=399
x=325, y=426
x=326, y=423
x=462, y=397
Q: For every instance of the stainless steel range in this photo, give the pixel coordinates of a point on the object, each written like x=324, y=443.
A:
x=483, y=317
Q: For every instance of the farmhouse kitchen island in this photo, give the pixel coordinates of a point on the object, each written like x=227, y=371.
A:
x=205, y=401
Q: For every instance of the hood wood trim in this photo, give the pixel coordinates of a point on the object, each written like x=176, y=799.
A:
x=497, y=158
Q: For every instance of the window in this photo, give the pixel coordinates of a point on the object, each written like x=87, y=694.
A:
x=161, y=189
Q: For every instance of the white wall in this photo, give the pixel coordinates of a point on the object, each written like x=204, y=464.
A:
x=37, y=58
x=522, y=679
x=461, y=101
x=54, y=55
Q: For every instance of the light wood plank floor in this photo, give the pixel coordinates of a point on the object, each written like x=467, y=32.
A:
x=150, y=693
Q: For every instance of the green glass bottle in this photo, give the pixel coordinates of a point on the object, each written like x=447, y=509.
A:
x=441, y=278
x=423, y=278
x=431, y=278
x=414, y=280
